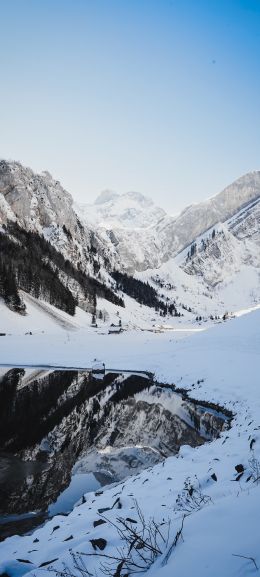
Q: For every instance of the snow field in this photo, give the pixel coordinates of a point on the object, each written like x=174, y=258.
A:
x=227, y=358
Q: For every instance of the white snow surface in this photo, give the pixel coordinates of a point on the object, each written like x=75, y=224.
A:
x=227, y=358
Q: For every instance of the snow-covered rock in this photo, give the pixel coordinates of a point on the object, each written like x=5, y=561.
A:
x=144, y=236
x=39, y=203
x=122, y=211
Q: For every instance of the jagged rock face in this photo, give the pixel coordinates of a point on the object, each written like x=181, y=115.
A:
x=39, y=203
x=236, y=244
x=246, y=224
x=128, y=229
x=130, y=233
x=37, y=200
x=136, y=250
x=197, y=218
x=144, y=236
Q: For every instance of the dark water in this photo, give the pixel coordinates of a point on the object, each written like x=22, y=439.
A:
x=52, y=421
x=13, y=471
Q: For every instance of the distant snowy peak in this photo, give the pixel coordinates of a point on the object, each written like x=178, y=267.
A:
x=131, y=210
x=106, y=196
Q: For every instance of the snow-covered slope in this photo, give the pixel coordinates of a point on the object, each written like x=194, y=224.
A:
x=211, y=493
x=198, y=218
x=228, y=256
x=144, y=236
x=41, y=318
x=38, y=205
x=219, y=270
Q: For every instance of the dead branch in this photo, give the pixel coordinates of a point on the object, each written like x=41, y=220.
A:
x=248, y=558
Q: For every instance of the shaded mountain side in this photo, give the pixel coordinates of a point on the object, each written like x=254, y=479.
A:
x=30, y=263
x=39, y=203
x=223, y=253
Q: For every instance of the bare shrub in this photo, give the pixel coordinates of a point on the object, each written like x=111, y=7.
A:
x=191, y=497
x=143, y=541
x=254, y=466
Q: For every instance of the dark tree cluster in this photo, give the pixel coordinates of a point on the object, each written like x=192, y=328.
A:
x=31, y=263
x=193, y=249
x=21, y=267
x=143, y=293
x=8, y=287
x=204, y=243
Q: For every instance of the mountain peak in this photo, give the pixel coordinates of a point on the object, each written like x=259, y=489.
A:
x=130, y=210
x=139, y=198
x=106, y=196
x=110, y=196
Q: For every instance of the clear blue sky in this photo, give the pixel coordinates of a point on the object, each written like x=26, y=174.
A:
x=158, y=96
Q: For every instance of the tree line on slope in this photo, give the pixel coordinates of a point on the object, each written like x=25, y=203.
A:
x=143, y=293
x=30, y=263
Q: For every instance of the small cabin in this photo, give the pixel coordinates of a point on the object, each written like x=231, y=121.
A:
x=114, y=329
x=98, y=367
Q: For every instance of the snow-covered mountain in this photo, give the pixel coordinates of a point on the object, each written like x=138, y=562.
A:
x=202, y=263
x=144, y=236
x=209, y=254
x=128, y=225
x=127, y=211
x=220, y=268
x=36, y=210
x=198, y=218
x=39, y=203
x=48, y=251
x=205, y=260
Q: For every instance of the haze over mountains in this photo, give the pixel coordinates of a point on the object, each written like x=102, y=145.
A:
x=204, y=254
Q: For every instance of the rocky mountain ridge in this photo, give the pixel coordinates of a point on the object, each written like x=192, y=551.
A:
x=38, y=203
x=209, y=247
x=145, y=237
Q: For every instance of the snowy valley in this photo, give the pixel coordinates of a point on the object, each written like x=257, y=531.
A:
x=153, y=465
x=202, y=263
